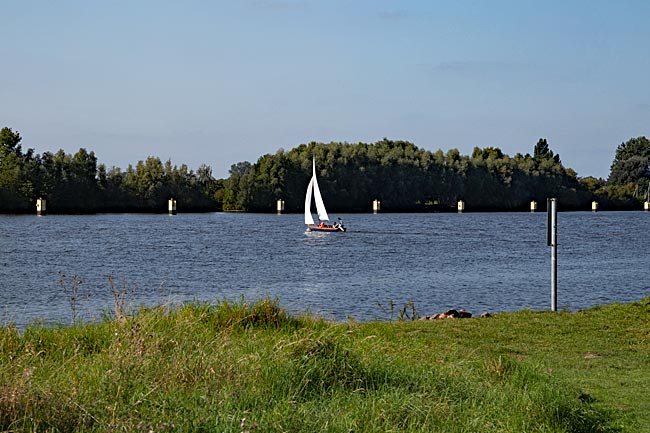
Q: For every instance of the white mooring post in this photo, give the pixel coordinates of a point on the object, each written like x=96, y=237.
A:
x=280, y=206
x=40, y=206
x=646, y=206
x=551, y=209
x=594, y=206
x=533, y=206
x=171, y=205
x=461, y=206
x=376, y=206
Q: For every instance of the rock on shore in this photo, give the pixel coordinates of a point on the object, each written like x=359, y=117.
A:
x=451, y=314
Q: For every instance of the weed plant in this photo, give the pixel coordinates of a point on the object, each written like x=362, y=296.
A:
x=238, y=366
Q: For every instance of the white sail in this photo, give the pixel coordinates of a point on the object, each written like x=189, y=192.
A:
x=312, y=189
x=320, y=206
x=309, y=219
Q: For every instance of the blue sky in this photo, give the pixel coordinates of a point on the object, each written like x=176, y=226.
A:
x=219, y=82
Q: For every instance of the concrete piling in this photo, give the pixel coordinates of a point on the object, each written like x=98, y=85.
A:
x=40, y=206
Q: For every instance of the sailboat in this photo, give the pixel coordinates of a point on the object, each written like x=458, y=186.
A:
x=324, y=225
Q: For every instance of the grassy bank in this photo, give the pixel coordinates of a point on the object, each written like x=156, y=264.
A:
x=239, y=367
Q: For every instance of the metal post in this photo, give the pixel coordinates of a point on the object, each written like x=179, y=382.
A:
x=552, y=241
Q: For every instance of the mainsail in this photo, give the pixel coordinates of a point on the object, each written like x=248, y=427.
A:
x=320, y=206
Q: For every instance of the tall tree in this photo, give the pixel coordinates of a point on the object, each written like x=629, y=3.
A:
x=16, y=172
x=541, y=148
x=631, y=163
x=543, y=151
x=9, y=142
x=237, y=195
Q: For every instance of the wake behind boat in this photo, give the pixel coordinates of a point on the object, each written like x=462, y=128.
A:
x=324, y=225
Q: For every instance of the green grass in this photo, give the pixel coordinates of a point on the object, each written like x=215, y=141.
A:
x=235, y=367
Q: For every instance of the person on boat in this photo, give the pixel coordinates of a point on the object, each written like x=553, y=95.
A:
x=322, y=225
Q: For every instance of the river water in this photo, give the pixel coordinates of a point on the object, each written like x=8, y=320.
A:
x=476, y=261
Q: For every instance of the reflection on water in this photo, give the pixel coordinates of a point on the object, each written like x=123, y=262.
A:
x=488, y=261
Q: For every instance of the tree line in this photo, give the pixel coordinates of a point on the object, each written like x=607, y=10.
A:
x=78, y=184
x=401, y=175
x=406, y=178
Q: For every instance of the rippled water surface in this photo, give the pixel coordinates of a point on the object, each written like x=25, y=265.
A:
x=477, y=261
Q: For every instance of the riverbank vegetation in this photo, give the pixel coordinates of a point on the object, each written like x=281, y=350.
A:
x=398, y=173
x=236, y=367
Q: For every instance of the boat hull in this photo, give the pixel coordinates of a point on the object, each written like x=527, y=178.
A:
x=317, y=228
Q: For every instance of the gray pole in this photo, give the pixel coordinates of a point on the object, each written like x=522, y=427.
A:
x=553, y=243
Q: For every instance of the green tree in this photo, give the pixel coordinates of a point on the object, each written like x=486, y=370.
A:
x=541, y=149
x=16, y=173
x=9, y=143
x=236, y=194
x=631, y=165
